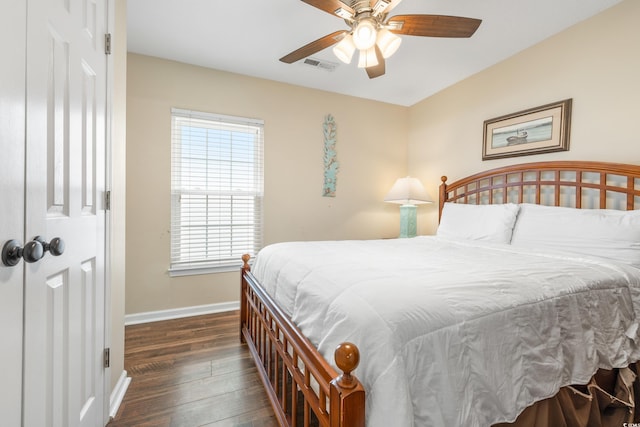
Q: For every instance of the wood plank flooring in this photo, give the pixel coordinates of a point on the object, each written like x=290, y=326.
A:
x=191, y=372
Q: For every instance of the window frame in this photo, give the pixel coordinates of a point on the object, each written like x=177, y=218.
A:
x=181, y=265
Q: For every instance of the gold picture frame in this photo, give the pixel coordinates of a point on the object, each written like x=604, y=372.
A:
x=543, y=129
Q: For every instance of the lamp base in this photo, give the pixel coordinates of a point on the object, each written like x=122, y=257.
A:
x=408, y=220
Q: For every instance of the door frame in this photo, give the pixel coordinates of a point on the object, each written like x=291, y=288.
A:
x=109, y=123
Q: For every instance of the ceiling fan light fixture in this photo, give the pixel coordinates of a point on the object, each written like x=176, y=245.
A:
x=367, y=58
x=365, y=34
x=344, y=49
x=388, y=42
x=375, y=34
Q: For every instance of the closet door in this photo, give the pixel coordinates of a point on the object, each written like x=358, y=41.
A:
x=12, y=76
x=64, y=328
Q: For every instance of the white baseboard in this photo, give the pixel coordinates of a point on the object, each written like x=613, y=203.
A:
x=118, y=394
x=177, y=313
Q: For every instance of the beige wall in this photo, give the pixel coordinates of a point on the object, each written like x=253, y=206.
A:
x=595, y=62
x=372, y=154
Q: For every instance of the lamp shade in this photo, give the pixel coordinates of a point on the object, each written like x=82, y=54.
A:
x=344, y=49
x=388, y=42
x=365, y=34
x=408, y=191
x=367, y=58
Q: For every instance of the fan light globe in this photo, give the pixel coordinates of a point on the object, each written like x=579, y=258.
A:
x=344, y=49
x=364, y=36
x=388, y=42
x=367, y=58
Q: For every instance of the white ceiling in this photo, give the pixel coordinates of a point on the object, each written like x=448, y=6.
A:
x=249, y=36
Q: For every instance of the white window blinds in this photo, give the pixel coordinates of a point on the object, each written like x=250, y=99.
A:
x=216, y=190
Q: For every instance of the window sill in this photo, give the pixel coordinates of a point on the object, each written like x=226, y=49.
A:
x=194, y=271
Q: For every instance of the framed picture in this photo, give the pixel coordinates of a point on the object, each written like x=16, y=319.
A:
x=543, y=129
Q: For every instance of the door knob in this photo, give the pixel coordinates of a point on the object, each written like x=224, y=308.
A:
x=55, y=246
x=31, y=252
x=12, y=252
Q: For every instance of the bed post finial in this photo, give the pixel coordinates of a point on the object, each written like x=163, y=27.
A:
x=245, y=262
x=443, y=196
x=347, y=358
x=346, y=394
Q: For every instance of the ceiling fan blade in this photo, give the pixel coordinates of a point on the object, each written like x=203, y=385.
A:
x=377, y=70
x=331, y=6
x=433, y=25
x=313, y=47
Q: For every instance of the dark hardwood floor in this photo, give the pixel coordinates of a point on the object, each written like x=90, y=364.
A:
x=191, y=372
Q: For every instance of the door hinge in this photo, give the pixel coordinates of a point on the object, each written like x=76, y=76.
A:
x=107, y=43
x=107, y=200
x=106, y=357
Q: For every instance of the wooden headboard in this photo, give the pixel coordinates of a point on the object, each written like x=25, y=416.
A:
x=579, y=184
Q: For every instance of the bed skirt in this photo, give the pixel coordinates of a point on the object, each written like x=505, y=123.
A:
x=608, y=400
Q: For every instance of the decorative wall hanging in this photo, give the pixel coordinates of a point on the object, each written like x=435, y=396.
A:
x=331, y=164
x=537, y=130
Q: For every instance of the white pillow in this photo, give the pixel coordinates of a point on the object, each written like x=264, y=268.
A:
x=492, y=223
x=603, y=233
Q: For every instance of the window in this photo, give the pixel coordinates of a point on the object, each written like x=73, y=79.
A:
x=216, y=191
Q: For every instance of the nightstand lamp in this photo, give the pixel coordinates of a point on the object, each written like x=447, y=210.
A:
x=408, y=192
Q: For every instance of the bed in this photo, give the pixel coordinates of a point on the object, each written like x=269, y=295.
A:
x=523, y=307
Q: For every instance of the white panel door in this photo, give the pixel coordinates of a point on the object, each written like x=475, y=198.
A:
x=12, y=74
x=65, y=179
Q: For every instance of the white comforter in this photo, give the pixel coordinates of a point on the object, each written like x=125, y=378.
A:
x=456, y=333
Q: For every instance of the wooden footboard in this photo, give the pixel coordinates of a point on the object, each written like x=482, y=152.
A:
x=304, y=389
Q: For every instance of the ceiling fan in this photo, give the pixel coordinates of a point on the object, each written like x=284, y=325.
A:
x=374, y=35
